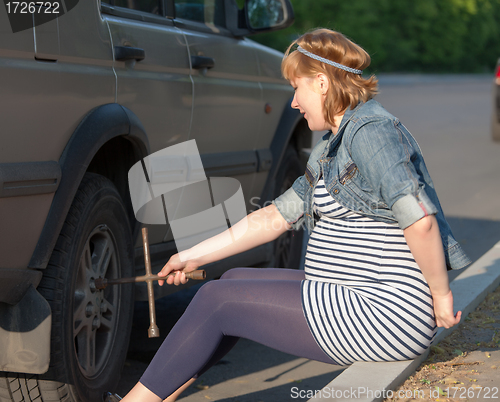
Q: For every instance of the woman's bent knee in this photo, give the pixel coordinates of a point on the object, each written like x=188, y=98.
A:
x=238, y=273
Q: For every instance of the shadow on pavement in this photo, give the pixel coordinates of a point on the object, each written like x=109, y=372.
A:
x=294, y=391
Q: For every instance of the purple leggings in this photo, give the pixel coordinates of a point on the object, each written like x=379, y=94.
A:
x=263, y=305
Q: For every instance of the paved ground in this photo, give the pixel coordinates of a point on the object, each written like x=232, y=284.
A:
x=449, y=116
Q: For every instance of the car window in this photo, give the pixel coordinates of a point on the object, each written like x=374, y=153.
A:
x=148, y=6
x=209, y=12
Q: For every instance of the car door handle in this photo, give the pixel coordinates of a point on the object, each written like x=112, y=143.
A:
x=199, y=62
x=123, y=53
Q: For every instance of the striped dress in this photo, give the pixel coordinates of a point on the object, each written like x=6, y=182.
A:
x=364, y=296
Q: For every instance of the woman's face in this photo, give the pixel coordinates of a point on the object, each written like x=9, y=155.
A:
x=309, y=99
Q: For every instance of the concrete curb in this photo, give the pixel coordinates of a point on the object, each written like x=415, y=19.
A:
x=370, y=382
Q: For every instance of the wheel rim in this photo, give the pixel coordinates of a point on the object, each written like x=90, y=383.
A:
x=95, y=311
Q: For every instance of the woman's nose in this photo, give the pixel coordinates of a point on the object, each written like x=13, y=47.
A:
x=294, y=103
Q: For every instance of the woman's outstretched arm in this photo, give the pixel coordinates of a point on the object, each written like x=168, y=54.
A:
x=424, y=240
x=259, y=227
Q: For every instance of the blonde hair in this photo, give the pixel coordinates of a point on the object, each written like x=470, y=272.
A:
x=346, y=89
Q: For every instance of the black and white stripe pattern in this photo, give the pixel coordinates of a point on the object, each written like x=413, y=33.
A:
x=364, y=296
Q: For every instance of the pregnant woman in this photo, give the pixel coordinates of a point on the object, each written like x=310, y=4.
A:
x=375, y=284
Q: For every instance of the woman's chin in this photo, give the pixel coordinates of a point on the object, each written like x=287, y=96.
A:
x=312, y=127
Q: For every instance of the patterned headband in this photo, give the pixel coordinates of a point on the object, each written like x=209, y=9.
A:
x=330, y=62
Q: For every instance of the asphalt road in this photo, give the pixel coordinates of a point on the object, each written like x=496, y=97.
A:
x=449, y=116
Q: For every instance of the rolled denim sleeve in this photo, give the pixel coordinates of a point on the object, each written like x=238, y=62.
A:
x=409, y=208
x=386, y=161
x=291, y=204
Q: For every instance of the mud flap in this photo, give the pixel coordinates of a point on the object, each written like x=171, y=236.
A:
x=25, y=334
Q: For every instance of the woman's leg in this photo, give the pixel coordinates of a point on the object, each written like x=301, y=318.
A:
x=265, y=273
x=141, y=394
x=228, y=342
x=265, y=311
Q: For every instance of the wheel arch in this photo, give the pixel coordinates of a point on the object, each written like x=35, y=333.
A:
x=108, y=139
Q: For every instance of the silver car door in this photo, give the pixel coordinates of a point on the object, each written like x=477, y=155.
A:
x=153, y=74
x=227, y=105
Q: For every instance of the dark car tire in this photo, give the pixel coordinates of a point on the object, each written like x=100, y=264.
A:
x=90, y=328
x=288, y=247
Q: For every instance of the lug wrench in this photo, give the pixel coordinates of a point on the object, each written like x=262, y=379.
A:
x=101, y=283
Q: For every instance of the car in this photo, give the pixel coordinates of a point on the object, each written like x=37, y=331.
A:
x=495, y=114
x=89, y=89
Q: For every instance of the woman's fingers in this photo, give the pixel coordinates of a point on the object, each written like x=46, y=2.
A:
x=174, y=268
x=175, y=278
x=164, y=272
x=448, y=322
x=443, y=310
x=167, y=269
x=180, y=278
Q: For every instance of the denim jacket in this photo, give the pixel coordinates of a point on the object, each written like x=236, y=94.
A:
x=372, y=166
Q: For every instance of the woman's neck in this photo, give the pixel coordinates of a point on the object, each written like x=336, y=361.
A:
x=338, y=120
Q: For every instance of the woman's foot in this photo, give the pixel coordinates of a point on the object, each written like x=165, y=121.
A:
x=109, y=397
x=143, y=394
x=176, y=394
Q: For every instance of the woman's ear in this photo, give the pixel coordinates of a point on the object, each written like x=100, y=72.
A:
x=323, y=83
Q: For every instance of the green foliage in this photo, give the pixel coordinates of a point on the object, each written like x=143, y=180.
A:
x=406, y=35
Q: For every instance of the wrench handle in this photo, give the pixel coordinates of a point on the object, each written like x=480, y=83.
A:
x=153, y=331
x=102, y=283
